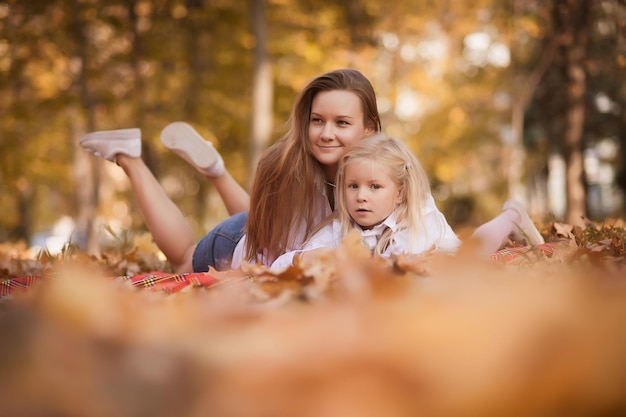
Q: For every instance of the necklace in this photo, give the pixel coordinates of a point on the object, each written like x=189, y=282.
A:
x=330, y=184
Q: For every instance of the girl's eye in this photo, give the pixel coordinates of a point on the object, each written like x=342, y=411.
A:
x=376, y=186
x=353, y=186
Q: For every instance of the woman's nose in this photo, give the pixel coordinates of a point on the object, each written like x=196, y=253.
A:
x=328, y=133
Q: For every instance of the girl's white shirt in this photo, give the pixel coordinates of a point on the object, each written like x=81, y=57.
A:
x=434, y=234
x=322, y=210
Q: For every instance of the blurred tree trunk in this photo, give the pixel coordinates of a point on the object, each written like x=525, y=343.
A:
x=197, y=47
x=86, y=169
x=262, y=89
x=24, y=204
x=138, y=93
x=22, y=186
x=571, y=25
x=524, y=89
x=618, y=14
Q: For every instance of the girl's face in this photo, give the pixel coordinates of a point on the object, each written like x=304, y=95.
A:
x=371, y=194
x=336, y=122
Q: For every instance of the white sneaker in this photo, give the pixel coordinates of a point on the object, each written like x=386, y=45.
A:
x=526, y=228
x=184, y=141
x=109, y=143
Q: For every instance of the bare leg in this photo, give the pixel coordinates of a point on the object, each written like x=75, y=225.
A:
x=235, y=198
x=492, y=234
x=169, y=228
x=512, y=219
x=166, y=222
x=182, y=139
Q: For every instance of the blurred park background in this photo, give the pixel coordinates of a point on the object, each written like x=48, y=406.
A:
x=499, y=99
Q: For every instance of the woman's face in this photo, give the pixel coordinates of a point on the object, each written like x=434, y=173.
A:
x=336, y=122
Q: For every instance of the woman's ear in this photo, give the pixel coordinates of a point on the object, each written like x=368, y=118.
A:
x=370, y=129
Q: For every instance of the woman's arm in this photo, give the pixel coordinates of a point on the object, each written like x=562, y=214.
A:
x=326, y=238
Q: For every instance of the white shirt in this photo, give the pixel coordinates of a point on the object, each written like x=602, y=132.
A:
x=434, y=234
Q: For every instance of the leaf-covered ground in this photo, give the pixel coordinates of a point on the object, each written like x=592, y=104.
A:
x=350, y=336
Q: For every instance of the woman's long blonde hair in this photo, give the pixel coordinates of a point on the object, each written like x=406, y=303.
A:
x=403, y=167
x=288, y=178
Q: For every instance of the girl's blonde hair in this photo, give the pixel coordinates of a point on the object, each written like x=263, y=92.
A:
x=288, y=178
x=402, y=167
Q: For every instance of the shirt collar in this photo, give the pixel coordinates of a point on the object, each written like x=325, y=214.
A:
x=390, y=222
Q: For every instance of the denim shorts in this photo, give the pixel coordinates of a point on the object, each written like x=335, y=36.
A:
x=217, y=247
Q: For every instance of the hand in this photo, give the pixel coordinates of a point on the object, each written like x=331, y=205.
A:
x=313, y=256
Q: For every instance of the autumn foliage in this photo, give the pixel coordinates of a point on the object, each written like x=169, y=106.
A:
x=350, y=336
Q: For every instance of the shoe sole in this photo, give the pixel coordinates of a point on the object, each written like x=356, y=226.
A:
x=117, y=134
x=111, y=137
x=186, y=142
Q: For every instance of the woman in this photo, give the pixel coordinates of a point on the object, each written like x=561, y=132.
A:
x=293, y=187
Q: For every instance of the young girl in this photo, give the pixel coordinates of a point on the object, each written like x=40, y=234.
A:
x=384, y=194
x=292, y=190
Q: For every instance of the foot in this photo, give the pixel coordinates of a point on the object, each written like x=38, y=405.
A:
x=525, y=228
x=184, y=141
x=109, y=143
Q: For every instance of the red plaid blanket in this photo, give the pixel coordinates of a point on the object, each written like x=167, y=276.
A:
x=163, y=281
x=171, y=283
x=543, y=250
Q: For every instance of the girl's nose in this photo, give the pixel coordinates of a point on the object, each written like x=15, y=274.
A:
x=361, y=194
